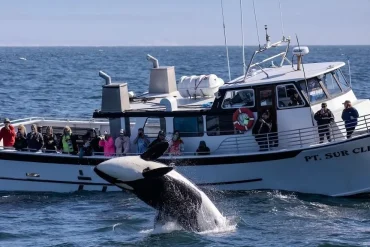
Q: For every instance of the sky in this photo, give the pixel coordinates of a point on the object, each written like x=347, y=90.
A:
x=180, y=22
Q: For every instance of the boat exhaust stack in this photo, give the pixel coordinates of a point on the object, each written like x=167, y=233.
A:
x=162, y=79
x=300, y=52
x=106, y=77
x=153, y=60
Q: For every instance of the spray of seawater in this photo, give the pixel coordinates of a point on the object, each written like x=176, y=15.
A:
x=172, y=226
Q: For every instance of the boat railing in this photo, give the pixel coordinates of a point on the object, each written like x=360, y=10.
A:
x=241, y=142
x=292, y=139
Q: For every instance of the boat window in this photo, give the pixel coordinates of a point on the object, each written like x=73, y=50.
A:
x=153, y=125
x=331, y=84
x=266, y=97
x=238, y=98
x=189, y=126
x=288, y=96
x=220, y=125
x=341, y=79
x=315, y=91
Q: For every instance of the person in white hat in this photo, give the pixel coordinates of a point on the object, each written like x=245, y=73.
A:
x=122, y=143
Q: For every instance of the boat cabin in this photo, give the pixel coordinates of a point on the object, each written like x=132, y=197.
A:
x=204, y=108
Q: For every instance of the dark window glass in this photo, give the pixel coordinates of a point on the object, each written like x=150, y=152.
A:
x=189, y=126
x=340, y=78
x=238, y=98
x=288, y=96
x=315, y=91
x=220, y=125
x=331, y=84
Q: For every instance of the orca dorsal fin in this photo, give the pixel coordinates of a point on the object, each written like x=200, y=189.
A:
x=155, y=151
x=157, y=172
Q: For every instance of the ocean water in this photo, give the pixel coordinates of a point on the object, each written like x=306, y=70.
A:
x=63, y=82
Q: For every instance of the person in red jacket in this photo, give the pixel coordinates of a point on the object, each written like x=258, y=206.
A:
x=7, y=134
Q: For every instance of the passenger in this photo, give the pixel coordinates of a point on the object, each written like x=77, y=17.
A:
x=176, y=144
x=160, y=138
x=295, y=99
x=261, y=129
x=203, y=149
x=67, y=143
x=122, y=143
x=7, y=134
x=107, y=143
x=50, y=140
x=86, y=149
x=324, y=118
x=95, y=139
x=349, y=116
x=34, y=139
x=142, y=141
x=21, y=138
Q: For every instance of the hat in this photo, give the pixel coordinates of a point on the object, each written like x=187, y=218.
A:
x=324, y=104
x=346, y=102
x=122, y=131
x=6, y=120
x=105, y=132
x=161, y=133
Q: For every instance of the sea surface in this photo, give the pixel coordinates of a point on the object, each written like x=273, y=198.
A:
x=63, y=82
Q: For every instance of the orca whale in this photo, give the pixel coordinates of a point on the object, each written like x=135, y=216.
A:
x=161, y=187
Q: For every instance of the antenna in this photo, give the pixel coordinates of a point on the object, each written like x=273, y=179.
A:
x=227, y=49
x=268, y=43
x=304, y=73
x=281, y=20
x=349, y=73
x=242, y=29
x=255, y=19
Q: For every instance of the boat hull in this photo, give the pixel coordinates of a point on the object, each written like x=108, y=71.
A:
x=333, y=169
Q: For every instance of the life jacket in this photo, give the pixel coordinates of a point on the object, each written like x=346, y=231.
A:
x=67, y=144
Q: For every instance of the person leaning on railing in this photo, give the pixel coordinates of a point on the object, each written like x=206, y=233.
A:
x=50, y=140
x=349, y=116
x=261, y=130
x=324, y=118
x=35, y=140
x=68, y=142
x=21, y=138
x=7, y=134
x=122, y=143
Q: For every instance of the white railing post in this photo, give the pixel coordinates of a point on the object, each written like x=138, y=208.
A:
x=367, y=128
x=300, y=137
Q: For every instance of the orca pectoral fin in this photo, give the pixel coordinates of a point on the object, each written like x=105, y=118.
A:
x=156, y=173
x=155, y=151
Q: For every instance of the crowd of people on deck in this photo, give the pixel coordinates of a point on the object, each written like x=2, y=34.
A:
x=92, y=142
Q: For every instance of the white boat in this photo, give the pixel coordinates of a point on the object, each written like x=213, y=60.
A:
x=295, y=160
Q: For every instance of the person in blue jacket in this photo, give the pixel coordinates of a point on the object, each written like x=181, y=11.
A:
x=349, y=116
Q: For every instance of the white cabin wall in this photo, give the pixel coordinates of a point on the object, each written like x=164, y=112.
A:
x=294, y=118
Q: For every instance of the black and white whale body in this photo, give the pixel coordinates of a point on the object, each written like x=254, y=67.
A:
x=162, y=188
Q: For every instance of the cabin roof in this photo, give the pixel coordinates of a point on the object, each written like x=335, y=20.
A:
x=151, y=102
x=285, y=73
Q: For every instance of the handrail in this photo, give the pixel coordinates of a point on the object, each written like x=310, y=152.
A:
x=290, y=139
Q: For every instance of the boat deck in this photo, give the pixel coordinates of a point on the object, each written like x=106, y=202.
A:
x=237, y=144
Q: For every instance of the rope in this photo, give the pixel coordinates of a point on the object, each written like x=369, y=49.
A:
x=242, y=29
x=227, y=49
x=255, y=19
